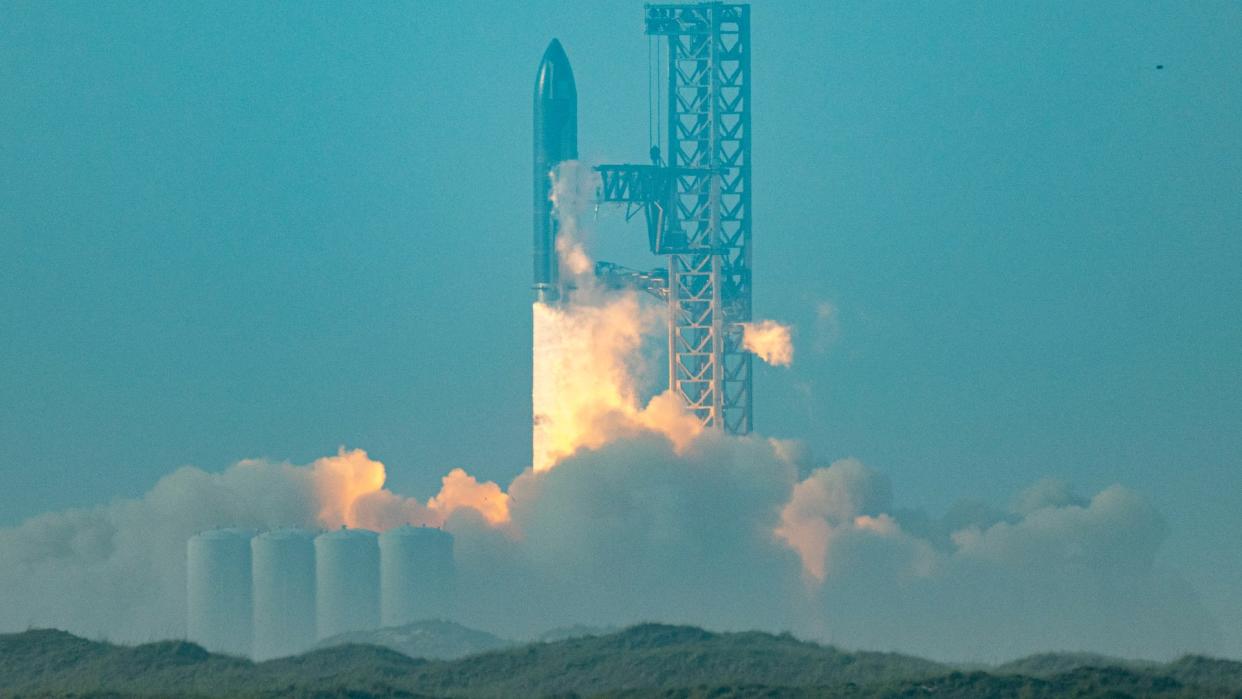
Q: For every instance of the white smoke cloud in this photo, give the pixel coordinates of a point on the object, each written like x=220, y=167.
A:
x=770, y=340
x=635, y=531
x=573, y=196
x=721, y=533
x=118, y=571
x=1057, y=572
x=833, y=502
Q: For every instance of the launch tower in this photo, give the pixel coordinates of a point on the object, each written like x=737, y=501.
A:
x=695, y=197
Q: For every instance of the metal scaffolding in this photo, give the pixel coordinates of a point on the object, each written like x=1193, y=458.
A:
x=697, y=207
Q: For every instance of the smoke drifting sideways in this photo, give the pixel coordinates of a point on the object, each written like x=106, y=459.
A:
x=632, y=513
x=118, y=571
x=770, y=340
x=722, y=533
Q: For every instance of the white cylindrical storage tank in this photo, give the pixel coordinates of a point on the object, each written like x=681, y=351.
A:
x=218, y=602
x=284, y=592
x=416, y=575
x=347, y=581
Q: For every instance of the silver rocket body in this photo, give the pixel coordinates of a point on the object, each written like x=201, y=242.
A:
x=556, y=140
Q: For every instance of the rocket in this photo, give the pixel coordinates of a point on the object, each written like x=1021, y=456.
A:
x=556, y=140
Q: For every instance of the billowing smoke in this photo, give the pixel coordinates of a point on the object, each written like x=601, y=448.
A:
x=118, y=571
x=573, y=196
x=770, y=340
x=726, y=534
x=587, y=367
x=723, y=533
x=631, y=512
x=832, y=501
x=1055, y=571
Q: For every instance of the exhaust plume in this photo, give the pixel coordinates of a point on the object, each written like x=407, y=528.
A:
x=587, y=363
x=630, y=512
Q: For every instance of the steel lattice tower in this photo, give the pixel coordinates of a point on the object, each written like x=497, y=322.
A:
x=698, y=206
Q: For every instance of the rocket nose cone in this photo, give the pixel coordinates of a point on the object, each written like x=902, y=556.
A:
x=555, y=79
x=555, y=52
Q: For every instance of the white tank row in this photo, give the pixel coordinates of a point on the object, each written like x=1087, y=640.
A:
x=274, y=594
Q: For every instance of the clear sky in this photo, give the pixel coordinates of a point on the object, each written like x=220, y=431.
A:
x=231, y=230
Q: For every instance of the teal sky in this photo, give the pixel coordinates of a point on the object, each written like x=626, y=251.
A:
x=231, y=230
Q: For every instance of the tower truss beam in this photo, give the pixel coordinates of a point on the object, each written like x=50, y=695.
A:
x=710, y=278
x=697, y=207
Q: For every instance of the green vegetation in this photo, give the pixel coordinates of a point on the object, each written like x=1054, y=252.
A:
x=433, y=640
x=1052, y=664
x=650, y=660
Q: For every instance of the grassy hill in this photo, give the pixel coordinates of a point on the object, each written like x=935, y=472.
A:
x=1052, y=664
x=650, y=660
x=433, y=640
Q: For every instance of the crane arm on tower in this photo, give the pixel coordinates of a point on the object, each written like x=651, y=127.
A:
x=615, y=276
x=651, y=190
